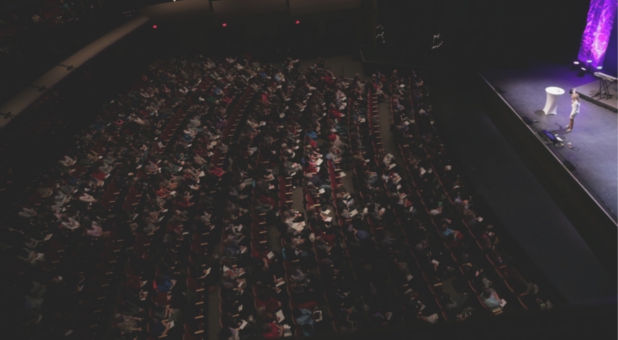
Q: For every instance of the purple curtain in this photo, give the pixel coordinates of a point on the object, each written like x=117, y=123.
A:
x=598, y=29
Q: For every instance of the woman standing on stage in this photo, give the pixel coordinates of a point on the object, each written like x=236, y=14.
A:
x=574, y=110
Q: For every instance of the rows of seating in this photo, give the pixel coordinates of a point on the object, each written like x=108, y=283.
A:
x=247, y=263
x=360, y=291
x=274, y=304
x=383, y=193
x=320, y=238
x=461, y=226
x=238, y=238
x=307, y=285
x=192, y=244
x=121, y=215
x=323, y=285
x=232, y=176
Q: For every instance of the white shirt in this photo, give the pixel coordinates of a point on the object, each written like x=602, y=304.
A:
x=574, y=108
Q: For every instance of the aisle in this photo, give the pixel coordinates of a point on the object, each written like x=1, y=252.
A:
x=214, y=327
x=388, y=143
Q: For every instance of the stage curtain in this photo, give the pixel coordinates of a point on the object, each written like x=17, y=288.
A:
x=598, y=30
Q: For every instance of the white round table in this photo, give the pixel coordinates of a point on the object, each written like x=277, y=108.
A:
x=552, y=99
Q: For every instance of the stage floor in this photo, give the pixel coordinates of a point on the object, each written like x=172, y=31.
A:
x=594, y=136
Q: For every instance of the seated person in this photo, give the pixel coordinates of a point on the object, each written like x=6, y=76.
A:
x=94, y=230
x=453, y=305
x=166, y=312
x=305, y=319
x=445, y=231
x=164, y=284
x=67, y=161
x=128, y=324
x=69, y=223
x=272, y=331
x=159, y=327
x=491, y=298
x=267, y=304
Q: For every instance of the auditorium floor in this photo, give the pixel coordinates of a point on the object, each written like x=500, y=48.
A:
x=214, y=315
x=595, y=134
x=525, y=209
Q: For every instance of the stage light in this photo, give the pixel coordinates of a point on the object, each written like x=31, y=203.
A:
x=297, y=22
x=588, y=61
x=154, y=27
x=576, y=62
x=583, y=69
x=599, y=67
x=224, y=24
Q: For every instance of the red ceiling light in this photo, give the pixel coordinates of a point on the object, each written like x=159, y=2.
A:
x=224, y=24
x=154, y=27
x=297, y=22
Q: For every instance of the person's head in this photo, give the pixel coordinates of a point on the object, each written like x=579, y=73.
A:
x=574, y=96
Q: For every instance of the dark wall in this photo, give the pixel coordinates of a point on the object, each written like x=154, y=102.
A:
x=45, y=131
x=272, y=36
x=559, y=27
x=479, y=33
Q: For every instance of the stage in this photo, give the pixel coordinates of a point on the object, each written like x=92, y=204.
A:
x=594, y=137
x=590, y=92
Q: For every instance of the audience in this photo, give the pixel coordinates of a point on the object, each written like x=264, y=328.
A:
x=206, y=153
x=468, y=241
